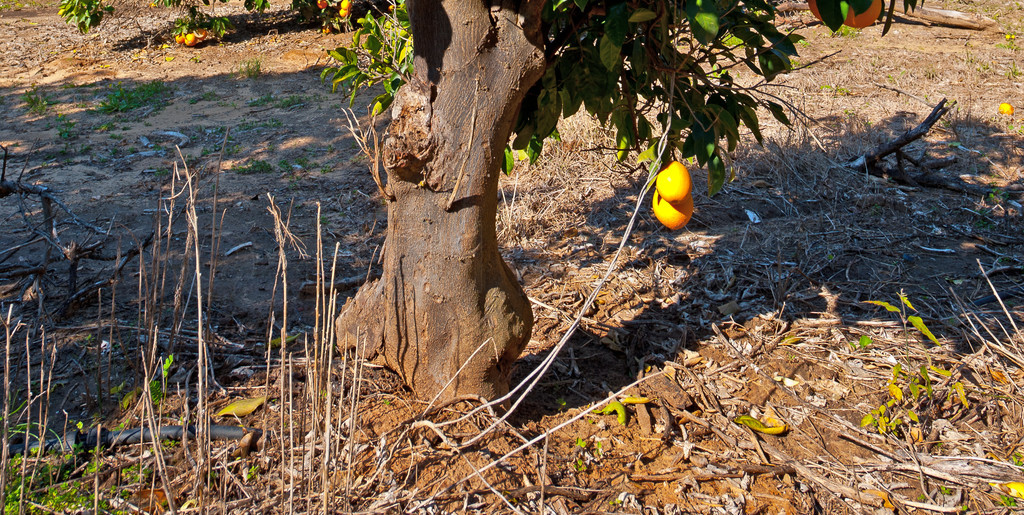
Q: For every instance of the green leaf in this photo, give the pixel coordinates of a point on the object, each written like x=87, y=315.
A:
x=860, y=6
x=772, y=64
x=641, y=15
x=703, y=17
x=779, y=113
x=716, y=174
x=534, y=148
x=610, y=53
x=867, y=420
x=884, y=304
x=509, y=162
x=917, y=322
x=833, y=13
x=616, y=24
x=647, y=155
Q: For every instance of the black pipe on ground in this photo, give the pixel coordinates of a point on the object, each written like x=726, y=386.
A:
x=97, y=437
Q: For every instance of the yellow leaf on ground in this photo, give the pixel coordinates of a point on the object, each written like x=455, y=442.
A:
x=242, y=408
x=760, y=427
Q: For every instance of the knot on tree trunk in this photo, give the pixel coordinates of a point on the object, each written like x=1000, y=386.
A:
x=410, y=143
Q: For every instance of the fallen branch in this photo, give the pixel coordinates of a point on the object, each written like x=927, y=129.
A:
x=11, y=187
x=872, y=159
x=947, y=18
x=873, y=162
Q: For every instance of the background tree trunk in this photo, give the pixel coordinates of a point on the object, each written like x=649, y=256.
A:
x=446, y=300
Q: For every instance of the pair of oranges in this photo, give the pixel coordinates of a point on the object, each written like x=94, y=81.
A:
x=673, y=199
x=191, y=38
x=345, y=9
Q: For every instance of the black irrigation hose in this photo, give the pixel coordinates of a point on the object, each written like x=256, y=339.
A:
x=94, y=438
x=1008, y=294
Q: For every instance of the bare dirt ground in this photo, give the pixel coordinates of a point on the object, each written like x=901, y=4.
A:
x=759, y=307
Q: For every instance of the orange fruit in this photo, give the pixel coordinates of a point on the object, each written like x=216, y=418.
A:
x=1006, y=109
x=857, y=21
x=673, y=214
x=179, y=39
x=201, y=34
x=322, y=4
x=673, y=182
x=190, y=39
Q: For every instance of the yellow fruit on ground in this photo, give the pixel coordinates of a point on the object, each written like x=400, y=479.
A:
x=179, y=39
x=673, y=182
x=673, y=215
x=1006, y=109
x=857, y=21
x=190, y=39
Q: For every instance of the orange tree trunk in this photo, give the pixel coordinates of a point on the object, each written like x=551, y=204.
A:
x=446, y=300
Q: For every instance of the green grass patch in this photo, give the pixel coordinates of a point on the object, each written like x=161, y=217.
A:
x=272, y=123
x=254, y=167
x=122, y=99
x=36, y=102
x=250, y=68
x=260, y=101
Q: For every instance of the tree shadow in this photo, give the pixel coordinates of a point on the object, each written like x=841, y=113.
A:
x=792, y=241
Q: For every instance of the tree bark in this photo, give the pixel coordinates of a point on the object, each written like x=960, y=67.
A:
x=447, y=313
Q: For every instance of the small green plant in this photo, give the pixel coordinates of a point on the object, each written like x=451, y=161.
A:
x=1011, y=42
x=254, y=167
x=290, y=101
x=861, y=343
x=1014, y=71
x=66, y=127
x=846, y=32
x=206, y=96
x=252, y=473
x=1007, y=500
x=260, y=101
x=122, y=99
x=914, y=320
x=250, y=68
x=579, y=465
x=35, y=101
